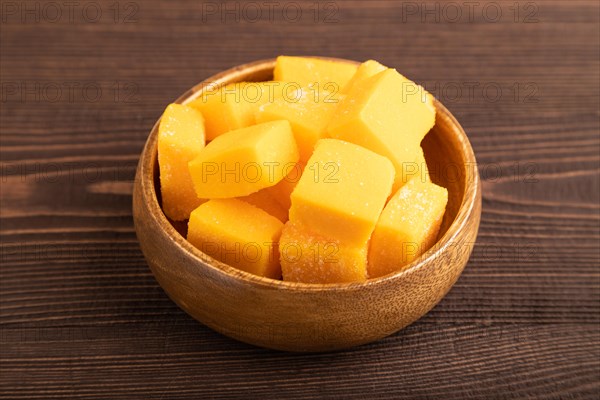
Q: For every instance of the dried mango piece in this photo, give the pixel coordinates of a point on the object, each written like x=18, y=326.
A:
x=408, y=226
x=310, y=258
x=387, y=114
x=342, y=191
x=180, y=140
x=265, y=200
x=306, y=71
x=308, y=111
x=365, y=71
x=233, y=106
x=238, y=234
x=244, y=161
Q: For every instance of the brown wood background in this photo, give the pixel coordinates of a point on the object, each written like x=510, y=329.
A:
x=83, y=318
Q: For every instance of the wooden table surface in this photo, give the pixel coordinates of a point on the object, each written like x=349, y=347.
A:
x=81, y=315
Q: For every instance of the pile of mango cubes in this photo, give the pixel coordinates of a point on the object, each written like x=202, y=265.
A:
x=317, y=176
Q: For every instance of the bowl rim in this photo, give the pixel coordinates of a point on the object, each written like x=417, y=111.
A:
x=149, y=158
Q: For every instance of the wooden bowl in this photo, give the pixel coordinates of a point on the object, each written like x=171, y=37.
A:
x=311, y=317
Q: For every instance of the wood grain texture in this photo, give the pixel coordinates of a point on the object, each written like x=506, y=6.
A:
x=82, y=317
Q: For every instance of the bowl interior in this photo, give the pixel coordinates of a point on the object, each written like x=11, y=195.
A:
x=447, y=151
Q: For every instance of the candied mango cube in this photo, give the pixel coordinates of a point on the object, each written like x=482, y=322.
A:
x=408, y=226
x=310, y=258
x=233, y=106
x=282, y=191
x=387, y=114
x=180, y=140
x=365, y=71
x=342, y=191
x=412, y=170
x=307, y=110
x=266, y=201
x=244, y=161
x=306, y=71
x=238, y=234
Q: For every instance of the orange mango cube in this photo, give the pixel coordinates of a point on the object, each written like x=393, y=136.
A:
x=282, y=191
x=365, y=71
x=244, y=161
x=266, y=201
x=238, y=234
x=233, y=106
x=308, y=111
x=306, y=71
x=342, y=191
x=387, y=114
x=180, y=140
x=310, y=258
x=408, y=226
x=416, y=169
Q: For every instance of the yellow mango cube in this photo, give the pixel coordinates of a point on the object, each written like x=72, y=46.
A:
x=387, y=114
x=238, y=234
x=342, y=191
x=266, y=201
x=180, y=140
x=282, y=191
x=306, y=71
x=308, y=111
x=365, y=71
x=412, y=170
x=233, y=106
x=244, y=161
x=310, y=258
x=408, y=226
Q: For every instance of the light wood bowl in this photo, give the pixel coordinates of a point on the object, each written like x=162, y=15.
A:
x=311, y=317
